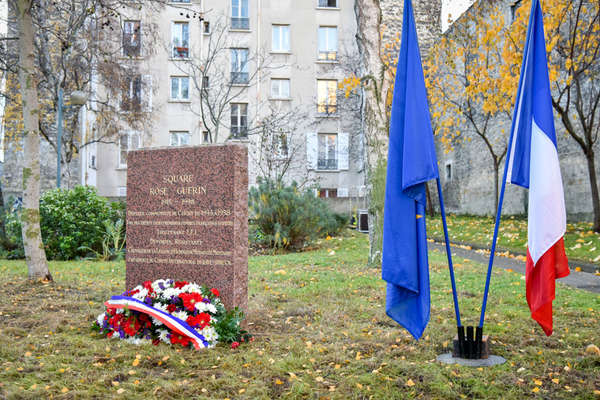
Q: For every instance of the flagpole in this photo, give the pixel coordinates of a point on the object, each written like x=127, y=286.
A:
x=493, y=249
x=449, y=254
x=508, y=154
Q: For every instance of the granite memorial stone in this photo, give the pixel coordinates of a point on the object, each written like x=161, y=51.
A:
x=187, y=218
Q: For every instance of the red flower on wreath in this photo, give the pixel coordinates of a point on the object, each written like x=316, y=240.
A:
x=215, y=292
x=131, y=326
x=190, y=300
x=148, y=286
x=202, y=320
x=115, y=320
x=180, y=284
x=181, y=339
x=171, y=308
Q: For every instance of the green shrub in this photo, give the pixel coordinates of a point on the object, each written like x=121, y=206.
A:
x=73, y=222
x=286, y=216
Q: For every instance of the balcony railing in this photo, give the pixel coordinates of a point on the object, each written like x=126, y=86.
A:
x=327, y=163
x=239, y=78
x=240, y=23
x=328, y=55
x=181, y=52
x=326, y=108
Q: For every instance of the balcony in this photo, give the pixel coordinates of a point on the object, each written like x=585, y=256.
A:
x=242, y=23
x=327, y=164
x=181, y=52
x=239, y=78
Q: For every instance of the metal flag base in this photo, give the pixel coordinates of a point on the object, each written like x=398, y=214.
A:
x=482, y=362
x=471, y=350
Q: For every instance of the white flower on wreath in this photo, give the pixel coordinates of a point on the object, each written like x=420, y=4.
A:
x=141, y=295
x=206, y=307
x=191, y=288
x=170, y=292
x=182, y=315
x=156, y=285
x=210, y=334
x=162, y=335
x=100, y=319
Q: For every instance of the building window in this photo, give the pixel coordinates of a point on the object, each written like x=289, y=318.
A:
x=326, y=96
x=239, y=14
x=328, y=43
x=180, y=139
x=281, y=38
x=205, y=137
x=206, y=27
x=132, y=93
x=328, y=3
x=205, y=83
x=132, y=44
x=180, y=88
x=127, y=142
x=513, y=9
x=239, y=66
x=327, y=151
x=280, y=145
x=280, y=88
x=328, y=193
x=449, y=171
x=180, y=38
x=239, y=120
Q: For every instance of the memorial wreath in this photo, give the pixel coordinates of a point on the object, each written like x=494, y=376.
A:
x=172, y=312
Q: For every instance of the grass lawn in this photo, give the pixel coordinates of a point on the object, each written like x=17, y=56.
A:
x=320, y=332
x=581, y=243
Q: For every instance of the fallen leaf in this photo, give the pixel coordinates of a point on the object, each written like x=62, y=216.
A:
x=410, y=383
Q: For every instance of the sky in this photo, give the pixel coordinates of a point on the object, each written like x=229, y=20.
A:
x=453, y=9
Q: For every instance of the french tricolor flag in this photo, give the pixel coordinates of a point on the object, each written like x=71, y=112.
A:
x=533, y=164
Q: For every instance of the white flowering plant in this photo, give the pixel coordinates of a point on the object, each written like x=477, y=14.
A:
x=172, y=312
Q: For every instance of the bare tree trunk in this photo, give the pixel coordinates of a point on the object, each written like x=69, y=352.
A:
x=430, y=209
x=594, y=187
x=32, y=239
x=368, y=18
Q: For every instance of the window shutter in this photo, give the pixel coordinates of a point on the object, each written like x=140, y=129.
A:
x=312, y=149
x=342, y=192
x=343, y=146
x=147, y=92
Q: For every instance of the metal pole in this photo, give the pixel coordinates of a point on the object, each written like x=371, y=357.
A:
x=59, y=129
x=449, y=254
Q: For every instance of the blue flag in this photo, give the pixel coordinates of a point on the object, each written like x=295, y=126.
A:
x=411, y=163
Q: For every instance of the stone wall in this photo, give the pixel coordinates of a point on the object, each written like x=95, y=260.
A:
x=12, y=177
x=427, y=19
x=470, y=190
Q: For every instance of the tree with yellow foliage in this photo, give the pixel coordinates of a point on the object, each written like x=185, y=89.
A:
x=572, y=30
x=464, y=82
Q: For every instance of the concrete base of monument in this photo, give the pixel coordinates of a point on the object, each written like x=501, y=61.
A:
x=490, y=361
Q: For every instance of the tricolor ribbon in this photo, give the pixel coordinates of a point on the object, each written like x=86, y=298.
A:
x=176, y=324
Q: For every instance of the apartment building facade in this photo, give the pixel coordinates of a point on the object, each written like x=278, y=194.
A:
x=262, y=72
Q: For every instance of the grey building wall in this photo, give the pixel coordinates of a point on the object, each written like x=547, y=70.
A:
x=470, y=190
